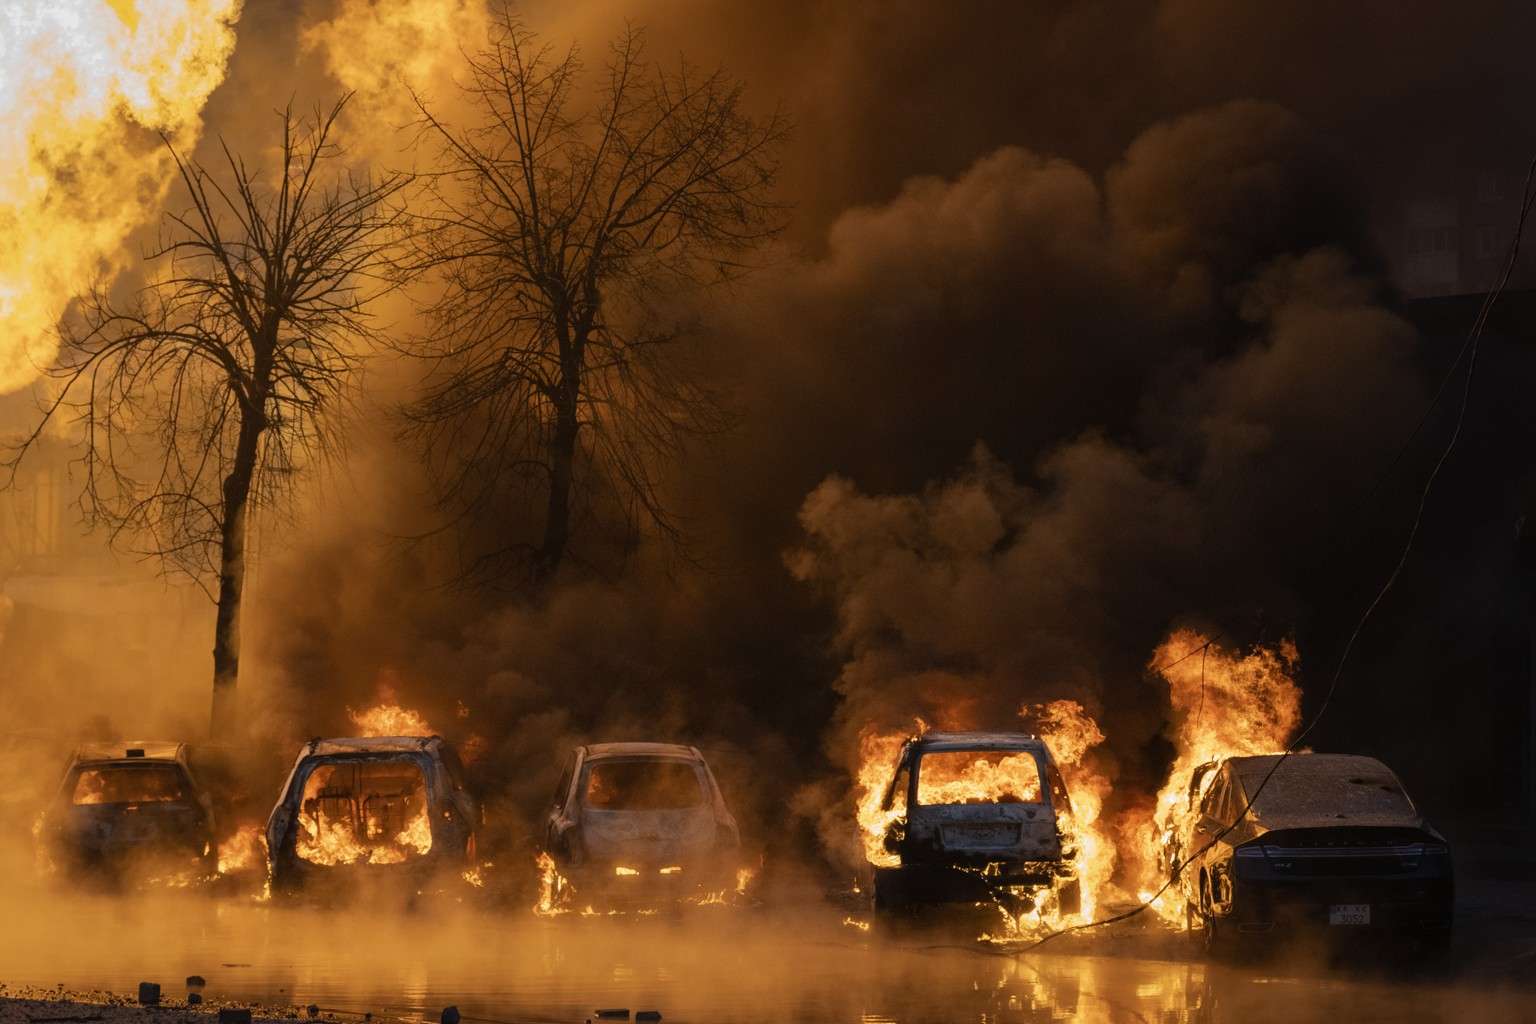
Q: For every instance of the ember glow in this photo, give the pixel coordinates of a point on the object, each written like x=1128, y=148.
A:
x=83, y=85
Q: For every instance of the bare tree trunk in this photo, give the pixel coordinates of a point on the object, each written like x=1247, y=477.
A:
x=653, y=181
x=562, y=445
x=226, y=630
x=557, y=519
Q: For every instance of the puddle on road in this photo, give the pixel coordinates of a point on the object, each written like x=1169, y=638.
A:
x=707, y=965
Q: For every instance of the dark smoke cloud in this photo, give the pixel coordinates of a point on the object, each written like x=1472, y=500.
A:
x=1265, y=390
x=1079, y=332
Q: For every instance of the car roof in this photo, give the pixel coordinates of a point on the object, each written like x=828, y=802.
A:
x=1306, y=762
x=114, y=750
x=371, y=745
x=1325, y=790
x=601, y=751
x=979, y=740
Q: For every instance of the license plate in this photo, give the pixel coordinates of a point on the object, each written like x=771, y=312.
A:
x=133, y=830
x=1349, y=913
x=980, y=835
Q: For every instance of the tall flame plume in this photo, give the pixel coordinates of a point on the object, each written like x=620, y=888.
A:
x=83, y=85
x=1225, y=703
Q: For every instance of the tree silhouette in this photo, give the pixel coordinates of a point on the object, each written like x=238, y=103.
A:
x=197, y=395
x=567, y=212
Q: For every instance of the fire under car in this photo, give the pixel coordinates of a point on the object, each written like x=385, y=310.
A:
x=1308, y=844
x=636, y=824
x=130, y=813
x=358, y=810
x=978, y=819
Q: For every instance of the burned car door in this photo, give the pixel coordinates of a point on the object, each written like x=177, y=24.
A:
x=1213, y=842
x=558, y=822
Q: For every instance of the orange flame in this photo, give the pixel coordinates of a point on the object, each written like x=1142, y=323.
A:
x=355, y=814
x=78, y=78
x=1225, y=703
x=1071, y=734
x=549, y=883
x=328, y=841
x=388, y=719
x=243, y=851
x=877, y=755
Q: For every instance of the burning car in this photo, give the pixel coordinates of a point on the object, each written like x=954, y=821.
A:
x=388, y=807
x=131, y=811
x=637, y=822
x=976, y=818
x=1276, y=843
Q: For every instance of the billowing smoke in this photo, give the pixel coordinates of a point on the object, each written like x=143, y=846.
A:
x=1264, y=385
x=1080, y=334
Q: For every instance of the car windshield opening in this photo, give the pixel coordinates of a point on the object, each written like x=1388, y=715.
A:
x=978, y=777
x=643, y=786
x=374, y=811
x=129, y=784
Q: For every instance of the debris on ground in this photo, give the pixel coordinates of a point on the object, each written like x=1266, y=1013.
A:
x=35, y=1005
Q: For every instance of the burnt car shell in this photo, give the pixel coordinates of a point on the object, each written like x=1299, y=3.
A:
x=1004, y=849
x=367, y=790
x=637, y=822
x=1331, y=843
x=131, y=807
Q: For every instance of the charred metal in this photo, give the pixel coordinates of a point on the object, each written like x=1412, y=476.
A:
x=960, y=843
x=385, y=805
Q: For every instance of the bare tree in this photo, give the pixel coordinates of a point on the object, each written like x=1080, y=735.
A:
x=568, y=211
x=198, y=394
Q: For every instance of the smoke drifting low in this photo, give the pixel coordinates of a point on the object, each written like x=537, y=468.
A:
x=1081, y=335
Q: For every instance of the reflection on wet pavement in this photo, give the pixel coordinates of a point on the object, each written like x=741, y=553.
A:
x=723, y=965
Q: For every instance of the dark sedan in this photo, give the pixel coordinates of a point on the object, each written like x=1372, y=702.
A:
x=1278, y=845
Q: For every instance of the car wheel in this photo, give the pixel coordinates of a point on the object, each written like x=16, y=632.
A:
x=1212, y=933
x=1194, y=924
x=890, y=895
